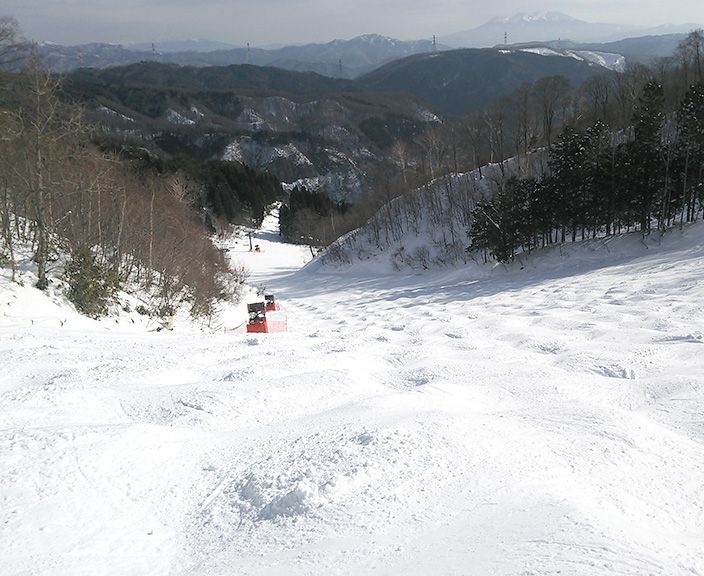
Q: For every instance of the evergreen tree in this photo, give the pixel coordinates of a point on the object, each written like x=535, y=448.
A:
x=505, y=223
x=599, y=180
x=568, y=160
x=645, y=153
x=690, y=156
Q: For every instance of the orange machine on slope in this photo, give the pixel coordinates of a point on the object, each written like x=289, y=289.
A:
x=257, y=317
x=258, y=320
x=271, y=304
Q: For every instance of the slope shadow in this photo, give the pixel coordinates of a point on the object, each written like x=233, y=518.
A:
x=444, y=287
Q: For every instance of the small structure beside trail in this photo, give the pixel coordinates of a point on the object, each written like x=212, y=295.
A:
x=271, y=304
x=265, y=317
x=253, y=247
x=257, y=317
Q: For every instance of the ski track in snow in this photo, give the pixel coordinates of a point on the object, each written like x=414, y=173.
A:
x=524, y=423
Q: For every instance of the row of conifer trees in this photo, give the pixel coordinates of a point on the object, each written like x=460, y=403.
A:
x=601, y=182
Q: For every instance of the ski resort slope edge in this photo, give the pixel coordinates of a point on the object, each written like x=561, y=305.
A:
x=541, y=418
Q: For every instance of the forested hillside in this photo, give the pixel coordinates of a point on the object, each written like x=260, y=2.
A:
x=620, y=154
x=458, y=81
x=538, y=159
x=107, y=221
x=307, y=130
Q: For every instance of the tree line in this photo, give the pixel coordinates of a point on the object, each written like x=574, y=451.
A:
x=107, y=224
x=224, y=192
x=550, y=164
x=534, y=115
x=309, y=216
x=599, y=184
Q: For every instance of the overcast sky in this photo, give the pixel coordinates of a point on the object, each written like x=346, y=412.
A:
x=263, y=22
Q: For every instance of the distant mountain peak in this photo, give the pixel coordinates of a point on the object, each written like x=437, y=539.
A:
x=538, y=27
x=370, y=39
x=373, y=38
x=530, y=17
x=376, y=40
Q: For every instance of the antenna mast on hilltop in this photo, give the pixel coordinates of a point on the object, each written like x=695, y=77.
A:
x=155, y=54
x=339, y=65
x=435, y=44
x=247, y=52
x=506, y=38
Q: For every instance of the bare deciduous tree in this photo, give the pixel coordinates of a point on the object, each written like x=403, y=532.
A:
x=550, y=94
x=595, y=94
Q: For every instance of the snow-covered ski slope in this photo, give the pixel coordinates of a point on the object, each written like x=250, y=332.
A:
x=535, y=420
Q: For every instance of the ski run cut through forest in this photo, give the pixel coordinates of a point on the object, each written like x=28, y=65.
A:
x=540, y=417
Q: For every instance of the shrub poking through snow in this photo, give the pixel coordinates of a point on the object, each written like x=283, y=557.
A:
x=90, y=286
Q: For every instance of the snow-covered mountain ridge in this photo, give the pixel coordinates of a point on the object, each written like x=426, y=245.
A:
x=609, y=60
x=533, y=17
x=551, y=26
x=345, y=58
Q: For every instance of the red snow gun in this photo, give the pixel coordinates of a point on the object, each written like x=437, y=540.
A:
x=257, y=317
x=258, y=321
x=271, y=304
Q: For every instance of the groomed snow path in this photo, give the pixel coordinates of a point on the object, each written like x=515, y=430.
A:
x=535, y=421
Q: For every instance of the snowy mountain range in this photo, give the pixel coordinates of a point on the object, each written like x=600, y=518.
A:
x=338, y=58
x=612, y=55
x=357, y=56
x=542, y=17
x=190, y=45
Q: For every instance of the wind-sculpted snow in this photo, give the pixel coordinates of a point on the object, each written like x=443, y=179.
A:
x=539, y=418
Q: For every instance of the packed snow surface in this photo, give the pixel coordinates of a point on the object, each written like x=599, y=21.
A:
x=541, y=418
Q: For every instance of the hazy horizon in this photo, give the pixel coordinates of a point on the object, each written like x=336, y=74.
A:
x=270, y=22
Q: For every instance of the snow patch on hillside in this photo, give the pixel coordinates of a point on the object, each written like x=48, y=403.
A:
x=343, y=186
x=608, y=60
x=175, y=118
x=111, y=112
x=427, y=116
x=262, y=155
x=542, y=51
